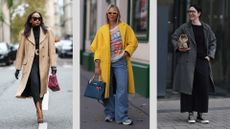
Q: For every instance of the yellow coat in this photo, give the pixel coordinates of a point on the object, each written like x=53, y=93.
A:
x=25, y=57
x=101, y=49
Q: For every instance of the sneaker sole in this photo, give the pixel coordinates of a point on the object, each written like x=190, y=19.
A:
x=207, y=122
x=191, y=122
x=127, y=124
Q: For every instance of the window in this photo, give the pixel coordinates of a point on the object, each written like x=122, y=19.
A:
x=92, y=18
x=139, y=18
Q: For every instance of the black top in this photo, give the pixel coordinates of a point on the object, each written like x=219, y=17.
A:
x=36, y=31
x=200, y=41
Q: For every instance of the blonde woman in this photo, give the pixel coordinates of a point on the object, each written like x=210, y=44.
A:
x=113, y=47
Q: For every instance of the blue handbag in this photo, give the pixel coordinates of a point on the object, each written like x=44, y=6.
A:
x=95, y=89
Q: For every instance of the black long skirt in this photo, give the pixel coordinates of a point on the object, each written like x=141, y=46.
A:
x=33, y=83
x=198, y=101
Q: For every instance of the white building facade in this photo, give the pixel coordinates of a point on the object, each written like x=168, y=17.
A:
x=4, y=22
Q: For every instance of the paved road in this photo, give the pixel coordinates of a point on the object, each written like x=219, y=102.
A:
x=169, y=116
x=92, y=116
x=20, y=113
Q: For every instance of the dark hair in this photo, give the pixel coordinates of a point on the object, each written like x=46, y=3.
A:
x=28, y=24
x=198, y=8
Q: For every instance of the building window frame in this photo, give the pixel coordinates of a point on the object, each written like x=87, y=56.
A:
x=92, y=18
x=134, y=13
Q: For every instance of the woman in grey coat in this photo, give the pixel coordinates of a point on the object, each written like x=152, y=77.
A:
x=193, y=75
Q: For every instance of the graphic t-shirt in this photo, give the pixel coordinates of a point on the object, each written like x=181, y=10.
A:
x=116, y=49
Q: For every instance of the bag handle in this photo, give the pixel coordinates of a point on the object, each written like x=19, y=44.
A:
x=93, y=77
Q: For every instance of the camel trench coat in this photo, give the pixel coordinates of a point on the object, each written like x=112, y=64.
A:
x=25, y=56
x=101, y=48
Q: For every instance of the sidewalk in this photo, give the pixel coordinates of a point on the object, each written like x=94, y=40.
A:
x=169, y=116
x=92, y=115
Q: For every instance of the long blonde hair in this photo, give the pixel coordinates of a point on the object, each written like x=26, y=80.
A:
x=118, y=13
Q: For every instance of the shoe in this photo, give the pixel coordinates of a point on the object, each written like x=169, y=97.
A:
x=108, y=119
x=39, y=117
x=39, y=113
x=191, y=119
x=127, y=122
x=201, y=119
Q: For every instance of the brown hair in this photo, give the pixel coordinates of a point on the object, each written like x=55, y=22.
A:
x=28, y=25
x=118, y=13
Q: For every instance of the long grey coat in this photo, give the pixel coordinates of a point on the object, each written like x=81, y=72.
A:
x=25, y=57
x=186, y=61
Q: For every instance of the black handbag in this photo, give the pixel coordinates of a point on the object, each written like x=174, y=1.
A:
x=95, y=89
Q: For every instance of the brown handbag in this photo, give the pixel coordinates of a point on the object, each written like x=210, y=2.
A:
x=53, y=83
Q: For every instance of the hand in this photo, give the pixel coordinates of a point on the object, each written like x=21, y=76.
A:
x=183, y=49
x=53, y=70
x=16, y=73
x=207, y=58
x=97, y=70
x=126, y=54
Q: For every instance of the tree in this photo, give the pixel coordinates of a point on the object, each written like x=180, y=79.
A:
x=18, y=21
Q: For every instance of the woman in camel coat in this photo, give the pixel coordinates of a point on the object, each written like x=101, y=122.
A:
x=35, y=55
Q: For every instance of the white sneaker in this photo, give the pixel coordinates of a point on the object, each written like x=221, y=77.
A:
x=108, y=119
x=191, y=119
x=127, y=122
x=202, y=120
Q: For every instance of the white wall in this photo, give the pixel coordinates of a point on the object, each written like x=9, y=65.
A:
x=68, y=17
x=5, y=26
x=49, y=20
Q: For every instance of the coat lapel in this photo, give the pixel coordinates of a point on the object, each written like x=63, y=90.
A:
x=42, y=35
x=190, y=33
x=31, y=37
x=122, y=31
x=205, y=34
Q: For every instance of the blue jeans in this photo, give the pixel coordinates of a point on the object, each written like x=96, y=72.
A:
x=117, y=107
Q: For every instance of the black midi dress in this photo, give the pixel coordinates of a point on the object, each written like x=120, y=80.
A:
x=33, y=84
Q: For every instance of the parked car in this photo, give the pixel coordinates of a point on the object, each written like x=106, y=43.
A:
x=7, y=53
x=64, y=48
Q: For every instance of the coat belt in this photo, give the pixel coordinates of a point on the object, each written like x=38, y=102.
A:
x=36, y=52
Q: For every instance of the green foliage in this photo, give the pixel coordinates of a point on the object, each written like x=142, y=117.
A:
x=18, y=22
x=10, y=3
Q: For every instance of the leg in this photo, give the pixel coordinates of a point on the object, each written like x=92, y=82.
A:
x=109, y=108
x=39, y=112
x=35, y=83
x=121, y=98
x=35, y=91
x=186, y=103
x=202, y=81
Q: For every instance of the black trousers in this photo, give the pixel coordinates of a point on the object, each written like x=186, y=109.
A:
x=33, y=83
x=198, y=101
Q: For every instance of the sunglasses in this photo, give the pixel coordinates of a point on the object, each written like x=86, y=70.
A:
x=112, y=13
x=191, y=11
x=36, y=18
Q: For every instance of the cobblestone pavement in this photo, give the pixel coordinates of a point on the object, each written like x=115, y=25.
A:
x=169, y=116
